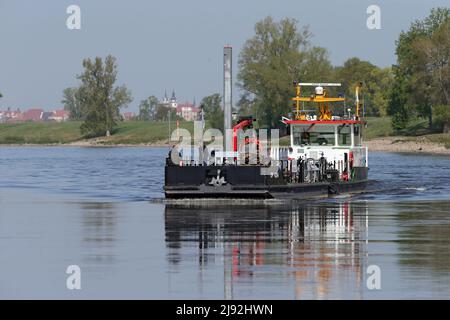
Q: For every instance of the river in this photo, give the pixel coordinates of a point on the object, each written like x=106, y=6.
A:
x=101, y=209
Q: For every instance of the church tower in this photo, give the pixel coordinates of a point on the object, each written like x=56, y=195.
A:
x=173, y=100
x=165, y=99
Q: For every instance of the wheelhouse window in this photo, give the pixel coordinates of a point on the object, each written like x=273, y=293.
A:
x=314, y=135
x=357, y=129
x=344, y=135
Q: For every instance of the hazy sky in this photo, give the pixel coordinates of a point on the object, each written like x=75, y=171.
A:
x=173, y=44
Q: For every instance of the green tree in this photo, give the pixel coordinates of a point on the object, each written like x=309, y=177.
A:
x=398, y=99
x=162, y=112
x=268, y=64
x=72, y=103
x=441, y=115
x=434, y=55
x=379, y=91
x=147, y=108
x=416, y=94
x=100, y=97
x=246, y=105
x=376, y=84
x=316, y=66
x=213, y=111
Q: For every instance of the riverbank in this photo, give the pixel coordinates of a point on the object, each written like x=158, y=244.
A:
x=132, y=133
x=419, y=145
x=415, y=138
x=89, y=144
x=379, y=136
x=386, y=144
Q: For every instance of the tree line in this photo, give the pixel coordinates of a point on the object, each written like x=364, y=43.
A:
x=97, y=101
x=417, y=86
x=421, y=86
x=279, y=53
x=152, y=109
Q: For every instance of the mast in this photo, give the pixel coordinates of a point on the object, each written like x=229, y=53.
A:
x=358, y=88
x=227, y=95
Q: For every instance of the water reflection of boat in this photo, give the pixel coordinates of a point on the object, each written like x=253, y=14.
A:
x=318, y=246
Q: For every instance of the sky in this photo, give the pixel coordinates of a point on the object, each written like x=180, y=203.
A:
x=174, y=44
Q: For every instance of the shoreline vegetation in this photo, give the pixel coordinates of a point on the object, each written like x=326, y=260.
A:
x=409, y=103
x=379, y=136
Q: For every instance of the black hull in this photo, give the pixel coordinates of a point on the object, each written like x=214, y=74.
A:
x=246, y=182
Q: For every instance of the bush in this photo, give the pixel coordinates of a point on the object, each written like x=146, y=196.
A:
x=12, y=140
x=399, y=120
x=441, y=115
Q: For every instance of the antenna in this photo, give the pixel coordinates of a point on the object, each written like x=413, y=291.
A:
x=358, y=87
x=318, y=84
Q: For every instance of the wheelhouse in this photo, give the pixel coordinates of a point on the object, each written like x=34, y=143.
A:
x=322, y=134
x=336, y=138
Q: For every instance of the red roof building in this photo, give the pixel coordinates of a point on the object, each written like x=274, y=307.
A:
x=188, y=111
x=33, y=115
x=127, y=116
x=60, y=115
x=11, y=116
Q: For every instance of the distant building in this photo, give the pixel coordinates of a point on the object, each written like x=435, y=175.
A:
x=59, y=115
x=46, y=115
x=10, y=116
x=172, y=103
x=127, y=116
x=188, y=111
x=34, y=115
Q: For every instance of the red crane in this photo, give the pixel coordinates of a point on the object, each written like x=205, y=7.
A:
x=243, y=123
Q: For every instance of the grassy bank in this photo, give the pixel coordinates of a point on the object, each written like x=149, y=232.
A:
x=40, y=133
x=133, y=132
x=416, y=131
x=378, y=127
x=140, y=132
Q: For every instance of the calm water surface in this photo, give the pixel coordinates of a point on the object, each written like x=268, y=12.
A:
x=95, y=207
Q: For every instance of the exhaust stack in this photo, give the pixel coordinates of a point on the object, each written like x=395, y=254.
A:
x=227, y=95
